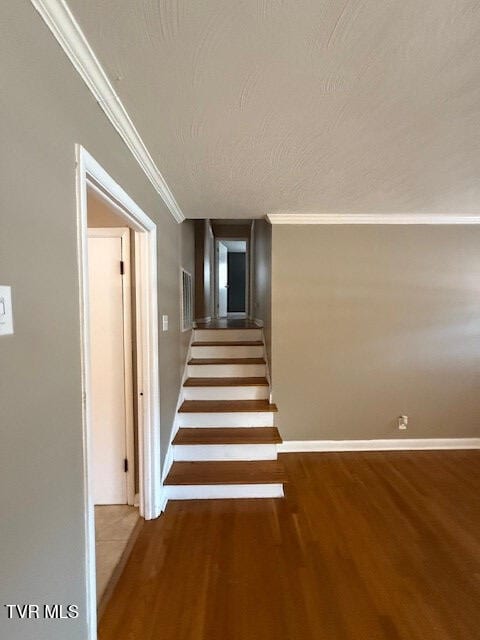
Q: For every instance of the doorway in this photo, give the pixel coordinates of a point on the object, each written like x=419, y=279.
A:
x=138, y=480
x=232, y=278
x=113, y=385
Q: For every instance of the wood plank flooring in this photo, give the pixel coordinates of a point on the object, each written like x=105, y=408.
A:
x=228, y=323
x=366, y=546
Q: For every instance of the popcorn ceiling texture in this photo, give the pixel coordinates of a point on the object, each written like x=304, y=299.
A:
x=323, y=105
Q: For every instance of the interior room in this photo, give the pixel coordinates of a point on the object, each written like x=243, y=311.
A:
x=240, y=320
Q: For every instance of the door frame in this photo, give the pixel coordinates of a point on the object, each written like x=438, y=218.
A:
x=124, y=234
x=246, y=239
x=90, y=175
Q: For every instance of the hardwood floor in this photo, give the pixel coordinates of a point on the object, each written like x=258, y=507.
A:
x=228, y=323
x=366, y=546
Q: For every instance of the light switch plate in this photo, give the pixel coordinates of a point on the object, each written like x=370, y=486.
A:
x=6, y=315
x=165, y=323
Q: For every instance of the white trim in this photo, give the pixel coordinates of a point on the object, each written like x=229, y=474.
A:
x=63, y=25
x=169, y=456
x=184, y=328
x=89, y=513
x=372, y=218
x=294, y=446
x=223, y=452
x=91, y=175
x=124, y=234
x=216, y=292
x=223, y=491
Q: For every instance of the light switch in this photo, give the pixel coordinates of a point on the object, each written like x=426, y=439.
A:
x=165, y=323
x=6, y=316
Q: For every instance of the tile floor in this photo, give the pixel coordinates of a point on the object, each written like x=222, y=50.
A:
x=113, y=527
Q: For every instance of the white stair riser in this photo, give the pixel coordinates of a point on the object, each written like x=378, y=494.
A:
x=226, y=393
x=223, y=491
x=224, y=452
x=227, y=352
x=233, y=419
x=224, y=335
x=226, y=370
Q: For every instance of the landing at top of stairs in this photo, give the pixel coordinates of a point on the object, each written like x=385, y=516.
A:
x=226, y=361
x=226, y=343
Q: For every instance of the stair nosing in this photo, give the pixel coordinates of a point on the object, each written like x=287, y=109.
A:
x=221, y=382
x=226, y=433
x=264, y=406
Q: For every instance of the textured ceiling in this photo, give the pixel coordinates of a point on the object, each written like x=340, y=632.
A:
x=337, y=106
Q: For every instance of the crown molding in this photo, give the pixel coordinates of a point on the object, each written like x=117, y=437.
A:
x=372, y=218
x=61, y=22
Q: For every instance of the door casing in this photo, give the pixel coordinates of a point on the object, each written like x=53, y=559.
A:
x=248, y=265
x=91, y=175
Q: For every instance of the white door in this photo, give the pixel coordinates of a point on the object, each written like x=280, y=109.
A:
x=107, y=358
x=222, y=253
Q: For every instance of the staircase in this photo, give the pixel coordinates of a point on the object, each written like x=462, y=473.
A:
x=226, y=442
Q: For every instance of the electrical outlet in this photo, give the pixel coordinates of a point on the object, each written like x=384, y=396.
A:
x=6, y=316
x=165, y=323
x=402, y=422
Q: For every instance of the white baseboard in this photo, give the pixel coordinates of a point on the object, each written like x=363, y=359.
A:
x=223, y=491
x=163, y=499
x=202, y=320
x=394, y=444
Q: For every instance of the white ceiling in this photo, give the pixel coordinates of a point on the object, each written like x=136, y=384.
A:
x=339, y=106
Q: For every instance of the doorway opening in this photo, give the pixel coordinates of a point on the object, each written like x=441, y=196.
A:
x=119, y=339
x=232, y=277
x=114, y=410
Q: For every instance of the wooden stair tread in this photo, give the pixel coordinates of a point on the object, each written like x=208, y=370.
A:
x=226, y=382
x=226, y=406
x=234, y=472
x=226, y=361
x=232, y=343
x=227, y=435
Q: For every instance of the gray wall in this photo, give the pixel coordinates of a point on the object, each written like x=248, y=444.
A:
x=262, y=277
x=44, y=110
x=370, y=322
x=204, y=270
